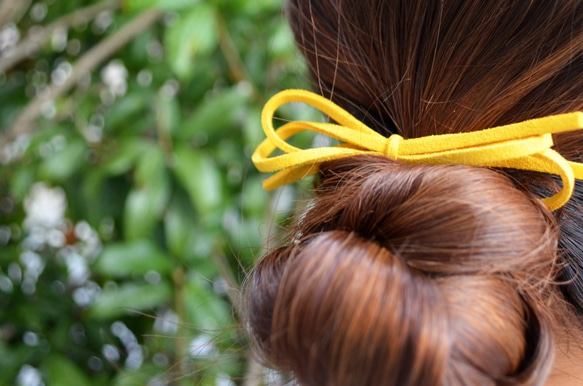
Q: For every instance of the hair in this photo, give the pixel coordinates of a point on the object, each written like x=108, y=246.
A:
x=401, y=274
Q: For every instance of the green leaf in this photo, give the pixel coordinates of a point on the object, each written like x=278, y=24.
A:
x=200, y=176
x=126, y=110
x=143, y=209
x=217, y=114
x=254, y=198
x=252, y=131
x=126, y=259
x=163, y=5
x=21, y=181
x=205, y=310
x=194, y=34
x=244, y=235
x=261, y=6
x=151, y=168
x=98, y=197
x=63, y=372
x=13, y=357
x=179, y=225
x=167, y=114
x=200, y=243
x=147, y=201
x=63, y=164
x=143, y=376
x=126, y=154
x=113, y=303
x=282, y=42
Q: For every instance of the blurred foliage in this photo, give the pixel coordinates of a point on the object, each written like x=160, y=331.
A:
x=129, y=209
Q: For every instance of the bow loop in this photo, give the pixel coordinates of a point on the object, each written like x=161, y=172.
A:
x=525, y=145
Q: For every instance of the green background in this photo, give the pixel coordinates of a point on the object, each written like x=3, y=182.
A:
x=129, y=208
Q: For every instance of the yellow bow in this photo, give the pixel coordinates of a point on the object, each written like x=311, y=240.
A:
x=525, y=145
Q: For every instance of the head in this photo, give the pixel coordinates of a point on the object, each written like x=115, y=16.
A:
x=406, y=275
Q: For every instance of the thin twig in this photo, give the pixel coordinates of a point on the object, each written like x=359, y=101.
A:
x=34, y=41
x=236, y=67
x=23, y=124
x=178, y=278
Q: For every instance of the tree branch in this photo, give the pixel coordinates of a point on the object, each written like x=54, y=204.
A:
x=236, y=67
x=34, y=41
x=23, y=124
x=9, y=9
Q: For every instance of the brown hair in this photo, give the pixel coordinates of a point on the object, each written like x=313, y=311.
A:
x=421, y=274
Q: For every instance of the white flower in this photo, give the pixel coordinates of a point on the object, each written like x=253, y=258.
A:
x=45, y=207
x=115, y=76
x=29, y=376
x=9, y=36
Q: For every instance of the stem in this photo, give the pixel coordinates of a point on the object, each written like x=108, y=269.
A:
x=236, y=66
x=180, y=343
x=178, y=277
x=163, y=130
x=23, y=124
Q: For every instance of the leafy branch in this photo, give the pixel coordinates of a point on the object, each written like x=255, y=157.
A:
x=34, y=41
x=23, y=124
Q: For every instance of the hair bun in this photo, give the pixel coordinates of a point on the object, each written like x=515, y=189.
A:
x=408, y=275
x=436, y=217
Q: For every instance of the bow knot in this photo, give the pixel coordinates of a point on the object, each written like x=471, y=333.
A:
x=526, y=145
x=392, y=146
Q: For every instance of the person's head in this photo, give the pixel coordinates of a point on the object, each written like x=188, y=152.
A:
x=428, y=274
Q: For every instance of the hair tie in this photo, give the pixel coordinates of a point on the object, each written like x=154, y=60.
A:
x=392, y=146
x=525, y=145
